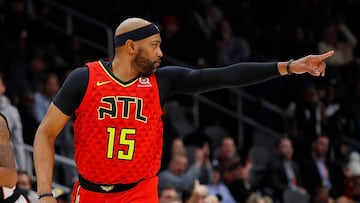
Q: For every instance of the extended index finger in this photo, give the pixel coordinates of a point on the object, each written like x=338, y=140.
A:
x=325, y=55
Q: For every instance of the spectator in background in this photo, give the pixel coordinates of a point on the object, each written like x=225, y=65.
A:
x=44, y=96
x=171, y=37
x=13, y=117
x=241, y=187
x=282, y=172
x=29, y=76
x=179, y=173
x=230, y=48
x=217, y=187
x=175, y=146
x=338, y=37
x=74, y=51
x=304, y=119
x=226, y=156
x=333, y=109
x=199, y=25
x=320, y=173
x=24, y=182
x=199, y=141
x=168, y=194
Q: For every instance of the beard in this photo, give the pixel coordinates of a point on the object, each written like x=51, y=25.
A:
x=143, y=64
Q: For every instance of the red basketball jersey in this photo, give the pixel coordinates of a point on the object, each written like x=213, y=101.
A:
x=118, y=128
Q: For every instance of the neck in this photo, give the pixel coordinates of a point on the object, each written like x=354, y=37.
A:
x=123, y=70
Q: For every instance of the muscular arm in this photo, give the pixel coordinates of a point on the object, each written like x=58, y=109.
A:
x=177, y=79
x=44, y=154
x=7, y=162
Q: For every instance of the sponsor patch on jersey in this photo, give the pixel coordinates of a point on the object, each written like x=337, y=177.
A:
x=144, y=82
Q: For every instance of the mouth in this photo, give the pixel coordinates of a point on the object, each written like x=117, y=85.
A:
x=157, y=63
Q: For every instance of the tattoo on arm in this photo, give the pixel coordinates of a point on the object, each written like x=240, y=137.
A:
x=7, y=157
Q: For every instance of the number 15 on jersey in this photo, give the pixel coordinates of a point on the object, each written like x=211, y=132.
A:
x=123, y=140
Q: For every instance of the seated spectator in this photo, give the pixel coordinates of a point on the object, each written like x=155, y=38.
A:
x=199, y=141
x=217, y=187
x=230, y=48
x=319, y=172
x=173, y=146
x=168, y=194
x=43, y=97
x=282, y=172
x=241, y=187
x=226, y=155
x=304, y=119
x=179, y=174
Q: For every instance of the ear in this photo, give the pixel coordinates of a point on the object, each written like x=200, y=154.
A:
x=131, y=46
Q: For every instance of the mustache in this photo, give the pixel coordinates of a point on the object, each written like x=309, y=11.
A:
x=158, y=61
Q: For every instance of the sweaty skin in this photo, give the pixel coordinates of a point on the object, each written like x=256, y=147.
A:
x=7, y=162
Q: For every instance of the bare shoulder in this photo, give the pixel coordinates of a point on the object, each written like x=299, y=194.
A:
x=4, y=130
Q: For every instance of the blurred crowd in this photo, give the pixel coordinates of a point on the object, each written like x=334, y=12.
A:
x=315, y=160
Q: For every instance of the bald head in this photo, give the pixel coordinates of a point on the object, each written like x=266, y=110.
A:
x=134, y=29
x=131, y=24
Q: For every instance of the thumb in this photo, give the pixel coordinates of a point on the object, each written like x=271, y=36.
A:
x=325, y=55
x=196, y=183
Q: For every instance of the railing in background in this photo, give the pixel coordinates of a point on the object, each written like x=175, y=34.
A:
x=58, y=158
x=73, y=19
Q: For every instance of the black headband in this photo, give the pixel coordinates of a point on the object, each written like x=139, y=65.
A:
x=136, y=34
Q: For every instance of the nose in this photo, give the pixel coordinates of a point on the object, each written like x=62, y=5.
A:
x=160, y=53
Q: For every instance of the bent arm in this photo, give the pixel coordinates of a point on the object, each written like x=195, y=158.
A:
x=7, y=165
x=7, y=161
x=44, y=152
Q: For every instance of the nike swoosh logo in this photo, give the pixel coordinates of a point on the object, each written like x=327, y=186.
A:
x=98, y=83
